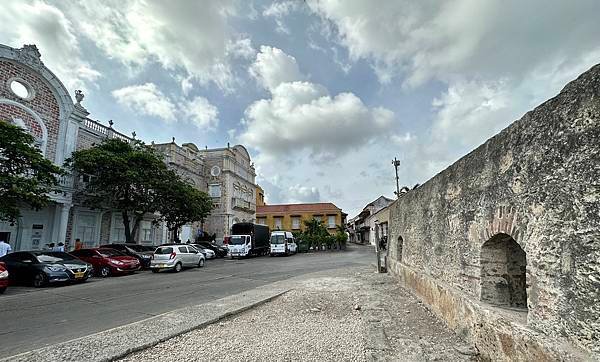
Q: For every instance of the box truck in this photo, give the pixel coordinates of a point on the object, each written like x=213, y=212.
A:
x=248, y=239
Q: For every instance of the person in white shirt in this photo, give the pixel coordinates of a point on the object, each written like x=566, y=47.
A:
x=4, y=248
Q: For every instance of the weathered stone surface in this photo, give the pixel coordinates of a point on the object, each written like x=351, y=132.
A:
x=536, y=183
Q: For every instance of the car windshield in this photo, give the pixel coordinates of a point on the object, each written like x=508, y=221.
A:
x=109, y=252
x=168, y=250
x=135, y=247
x=277, y=239
x=237, y=240
x=53, y=257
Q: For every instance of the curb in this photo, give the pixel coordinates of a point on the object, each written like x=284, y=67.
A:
x=118, y=342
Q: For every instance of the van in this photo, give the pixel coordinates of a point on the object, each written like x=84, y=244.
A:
x=283, y=243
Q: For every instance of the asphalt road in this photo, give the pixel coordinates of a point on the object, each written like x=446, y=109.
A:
x=34, y=318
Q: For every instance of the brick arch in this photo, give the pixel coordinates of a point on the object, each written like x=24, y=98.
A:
x=36, y=118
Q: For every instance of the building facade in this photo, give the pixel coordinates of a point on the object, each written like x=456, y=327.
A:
x=230, y=178
x=371, y=223
x=291, y=217
x=32, y=97
x=187, y=161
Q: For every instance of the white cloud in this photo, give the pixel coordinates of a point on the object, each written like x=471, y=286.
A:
x=146, y=99
x=273, y=67
x=299, y=194
x=278, y=10
x=55, y=36
x=189, y=35
x=485, y=39
x=202, y=113
x=241, y=48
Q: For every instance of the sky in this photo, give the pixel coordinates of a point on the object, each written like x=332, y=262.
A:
x=323, y=93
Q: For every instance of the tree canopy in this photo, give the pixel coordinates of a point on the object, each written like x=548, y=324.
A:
x=183, y=204
x=25, y=175
x=133, y=178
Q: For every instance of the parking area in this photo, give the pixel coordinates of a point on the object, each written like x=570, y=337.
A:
x=33, y=318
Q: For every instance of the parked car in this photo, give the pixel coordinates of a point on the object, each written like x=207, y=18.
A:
x=45, y=267
x=220, y=251
x=142, y=248
x=176, y=257
x=3, y=278
x=108, y=261
x=208, y=254
x=128, y=249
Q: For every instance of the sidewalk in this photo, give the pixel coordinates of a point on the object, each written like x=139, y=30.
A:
x=349, y=314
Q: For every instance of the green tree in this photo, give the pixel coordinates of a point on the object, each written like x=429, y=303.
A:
x=25, y=175
x=183, y=204
x=127, y=176
x=315, y=233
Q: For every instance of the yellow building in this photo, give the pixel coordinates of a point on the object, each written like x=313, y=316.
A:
x=291, y=217
x=260, y=196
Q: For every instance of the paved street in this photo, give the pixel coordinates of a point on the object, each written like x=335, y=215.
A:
x=33, y=318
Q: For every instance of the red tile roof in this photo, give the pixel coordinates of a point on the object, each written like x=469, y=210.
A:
x=287, y=208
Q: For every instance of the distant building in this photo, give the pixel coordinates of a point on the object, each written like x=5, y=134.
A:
x=292, y=216
x=260, y=196
x=371, y=223
x=231, y=184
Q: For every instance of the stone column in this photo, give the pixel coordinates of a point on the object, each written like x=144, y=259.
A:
x=61, y=219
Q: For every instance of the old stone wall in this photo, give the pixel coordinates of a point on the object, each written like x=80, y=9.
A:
x=514, y=226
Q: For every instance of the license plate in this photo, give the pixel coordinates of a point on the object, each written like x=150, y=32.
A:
x=79, y=275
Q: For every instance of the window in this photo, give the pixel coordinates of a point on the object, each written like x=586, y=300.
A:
x=214, y=190
x=295, y=222
x=278, y=222
x=331, y=221
x=86, y=229
x=147, y=234
x=182, y=249
x=261, y=221
x=317, y=217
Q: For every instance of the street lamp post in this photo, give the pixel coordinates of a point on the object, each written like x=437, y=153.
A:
x=396, y=164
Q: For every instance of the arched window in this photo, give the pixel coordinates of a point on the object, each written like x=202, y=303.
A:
x=400, y=247
x=503, y=265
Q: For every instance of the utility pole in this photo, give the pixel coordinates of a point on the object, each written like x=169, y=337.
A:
x=396, y=164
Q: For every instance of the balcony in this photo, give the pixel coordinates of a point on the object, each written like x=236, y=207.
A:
x=243, y=205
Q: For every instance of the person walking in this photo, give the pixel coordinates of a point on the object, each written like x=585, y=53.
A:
x=4, y=248
x=78, y=244
x=60, y=247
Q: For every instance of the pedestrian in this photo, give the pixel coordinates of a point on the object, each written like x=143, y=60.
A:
x=51, y=246
x=78, y=244
x=4, y=248
x=60, y=247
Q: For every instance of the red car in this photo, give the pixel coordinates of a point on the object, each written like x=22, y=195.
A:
x=3, y=277
x=108, y=261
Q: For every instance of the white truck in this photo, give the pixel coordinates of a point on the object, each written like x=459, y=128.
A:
x=283, y=243
x=248, y=239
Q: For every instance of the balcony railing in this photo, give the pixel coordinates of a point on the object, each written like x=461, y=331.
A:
x=241, y=204
x=104, y=130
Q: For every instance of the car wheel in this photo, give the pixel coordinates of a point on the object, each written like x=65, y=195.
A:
x=200, y=263
x=39, y=280
x=177, y=268
x=2, y=290
x=104, y=271
x=155, y=270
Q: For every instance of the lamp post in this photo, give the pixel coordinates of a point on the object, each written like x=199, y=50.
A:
x=396, y=164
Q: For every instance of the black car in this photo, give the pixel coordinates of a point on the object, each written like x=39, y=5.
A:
x=220, y=251
x=135, y=250
x=41, y=268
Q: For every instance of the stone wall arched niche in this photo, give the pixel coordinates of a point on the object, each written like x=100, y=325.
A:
x=45, y=107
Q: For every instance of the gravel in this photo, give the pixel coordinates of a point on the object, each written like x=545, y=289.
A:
x=348, y=314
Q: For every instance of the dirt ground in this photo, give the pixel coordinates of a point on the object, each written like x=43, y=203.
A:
x=345, y=315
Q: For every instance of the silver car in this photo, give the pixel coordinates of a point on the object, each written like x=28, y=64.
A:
x=176, y=257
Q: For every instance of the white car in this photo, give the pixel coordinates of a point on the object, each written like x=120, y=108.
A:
x=283, y=243
x=208, y=254
x=176, y=257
